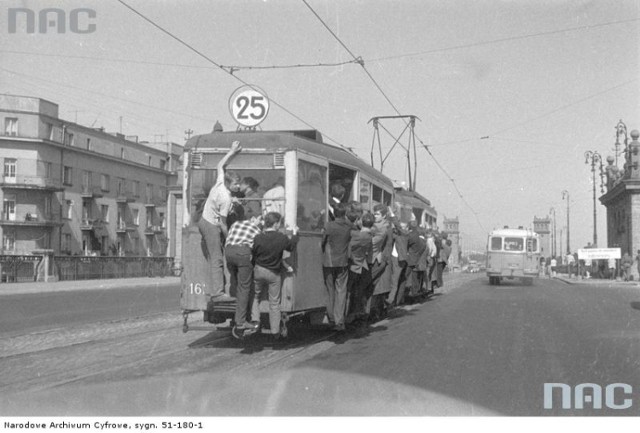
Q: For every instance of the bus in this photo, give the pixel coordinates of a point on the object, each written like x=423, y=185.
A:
x=513, y=253
x=303, y=168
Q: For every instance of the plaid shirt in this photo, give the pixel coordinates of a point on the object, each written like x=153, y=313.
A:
x=242, y=233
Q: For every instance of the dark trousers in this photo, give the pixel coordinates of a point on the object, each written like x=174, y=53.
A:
x=212, y=236
x=398, y=281
x=335, y=281
x=241, y=276
x=360, y=289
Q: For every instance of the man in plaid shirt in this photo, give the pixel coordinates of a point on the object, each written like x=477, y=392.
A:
x=238, y=254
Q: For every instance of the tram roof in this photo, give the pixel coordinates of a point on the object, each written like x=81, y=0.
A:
x=308, y=141
x=512, y=232
x=415, y=199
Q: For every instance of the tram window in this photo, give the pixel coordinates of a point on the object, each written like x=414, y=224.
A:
x=377, y=194
x=262, y=181
x=496, y=244
x=532, y=245
x=386, y=199
x=365, y=194
x=312, y=196
x=344, y=177
x=513, y=244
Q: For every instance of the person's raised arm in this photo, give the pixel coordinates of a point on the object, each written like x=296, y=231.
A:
x=235, y=148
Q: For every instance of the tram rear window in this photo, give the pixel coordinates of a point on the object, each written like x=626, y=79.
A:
x=496, y=244
x=513, y=244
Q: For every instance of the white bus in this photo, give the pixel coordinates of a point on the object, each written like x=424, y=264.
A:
x=513, y=253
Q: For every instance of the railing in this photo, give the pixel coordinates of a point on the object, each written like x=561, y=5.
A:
x=86, y=268
x=19, y=268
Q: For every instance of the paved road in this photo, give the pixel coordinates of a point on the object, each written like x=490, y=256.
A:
x=28, y=307
x=473, y=350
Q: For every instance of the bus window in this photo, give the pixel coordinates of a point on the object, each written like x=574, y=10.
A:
x=513, y=244
x=312, y=196
x=496, y=244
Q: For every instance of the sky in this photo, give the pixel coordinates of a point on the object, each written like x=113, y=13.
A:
x=509, y=94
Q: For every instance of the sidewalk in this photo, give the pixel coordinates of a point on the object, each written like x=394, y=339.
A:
x=67, y=286
x=596, y=281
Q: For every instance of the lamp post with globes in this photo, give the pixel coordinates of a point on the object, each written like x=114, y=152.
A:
x=565, y=193
x=596, y=161
x=553, y=232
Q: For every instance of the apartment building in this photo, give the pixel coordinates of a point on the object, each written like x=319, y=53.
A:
x=82, y=191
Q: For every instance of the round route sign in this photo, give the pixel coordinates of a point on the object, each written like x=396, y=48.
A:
x=249, y=105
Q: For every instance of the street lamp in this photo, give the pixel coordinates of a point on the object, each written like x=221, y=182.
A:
x=596, y=161
x=553, y=233
x=565, y=193
x=621, y=130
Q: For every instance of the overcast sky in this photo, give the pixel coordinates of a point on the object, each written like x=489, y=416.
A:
x=510, y=94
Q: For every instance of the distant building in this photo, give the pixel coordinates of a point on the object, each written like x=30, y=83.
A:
x=622, y=199
x=82, y=191
x=542, y=226
x=451, y=226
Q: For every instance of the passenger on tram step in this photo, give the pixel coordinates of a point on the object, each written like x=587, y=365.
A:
x=443, y=259
x=238, y=257
x=336, y=192
x=269, y=267
x=398, y=264
x=213, y=222
x=360, y=262
x=431, y=276
x=415, y=249
x=382, y=232
x=335, y=265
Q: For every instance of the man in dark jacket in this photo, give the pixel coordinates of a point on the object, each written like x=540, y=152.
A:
x=335, y=264
x=415, y=248
x=398, y=264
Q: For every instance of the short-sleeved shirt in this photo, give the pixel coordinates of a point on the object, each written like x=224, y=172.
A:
x=242, y=233
x=218, y=204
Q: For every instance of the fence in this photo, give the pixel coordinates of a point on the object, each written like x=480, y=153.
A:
x=16, y=269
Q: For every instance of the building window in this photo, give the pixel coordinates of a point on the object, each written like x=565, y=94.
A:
x=104, y=211
x=149, y=160
x=69, y=209
x=122, y=152
x=104, y=182
x=149, y=192
x=66, y=243
x=11, y=126
x=9, y=207
x=136, y=216
x=88, y=144
x=67, y=176
x=135, y=188
x=9, y=241
x=71, y=141
x=47, y=207
x=86, y=180
x=163, y=164
x=10, y=167
x=162, y=220
x=48, y=169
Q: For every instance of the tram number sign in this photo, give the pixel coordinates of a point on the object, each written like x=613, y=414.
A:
x=249, y=106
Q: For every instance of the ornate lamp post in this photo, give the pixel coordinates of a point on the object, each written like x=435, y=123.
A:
x=553, y=232
x=596, y=161
x=621, y=130
x=565, y=193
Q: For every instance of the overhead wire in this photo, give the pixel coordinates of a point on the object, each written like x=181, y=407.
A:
x=221, y=67
x=362, y=64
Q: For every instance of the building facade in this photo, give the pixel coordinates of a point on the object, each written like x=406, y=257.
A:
x=451, y=226
x=542, y=226
x=82, y=191
x=622, y=200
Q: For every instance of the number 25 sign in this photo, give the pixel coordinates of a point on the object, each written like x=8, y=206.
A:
x=249, y=105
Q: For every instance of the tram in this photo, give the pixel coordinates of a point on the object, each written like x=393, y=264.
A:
x=513, y=253
x=302, y=165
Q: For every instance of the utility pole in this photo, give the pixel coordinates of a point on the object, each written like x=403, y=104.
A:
x=565, y=193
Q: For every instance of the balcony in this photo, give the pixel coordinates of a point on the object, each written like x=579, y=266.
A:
x=31, y=183
x=153, y=230
x=154, y=201
x=29, y=220
x=124, y=227
x=91, y=192
x=91, y=224
x=125, y=197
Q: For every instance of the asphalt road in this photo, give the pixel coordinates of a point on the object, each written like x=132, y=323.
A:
x=474, y=349
x=23, y=313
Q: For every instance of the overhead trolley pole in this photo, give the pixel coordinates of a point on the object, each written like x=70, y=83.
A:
x=409, y=148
